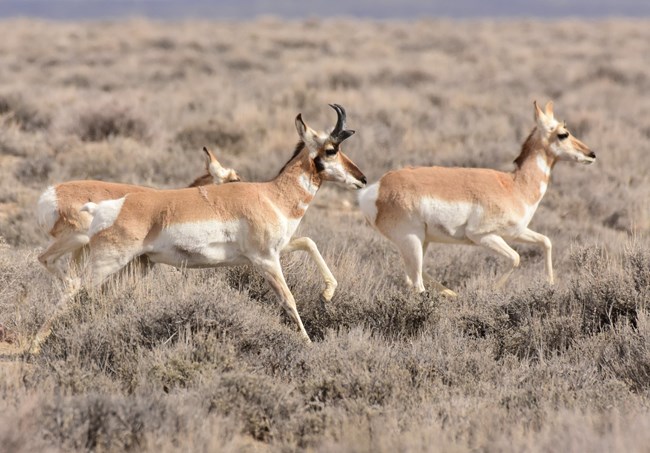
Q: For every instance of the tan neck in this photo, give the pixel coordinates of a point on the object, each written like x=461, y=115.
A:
x=296, y=185
x=533, y=169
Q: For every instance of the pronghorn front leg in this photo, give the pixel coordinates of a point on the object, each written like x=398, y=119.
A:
x=532, y=237
x=307, y=245
x=272, y=272
x=412, y=250
x=497, y=244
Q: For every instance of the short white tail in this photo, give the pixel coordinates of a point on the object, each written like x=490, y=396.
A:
x=90, y=208
x=416, y=206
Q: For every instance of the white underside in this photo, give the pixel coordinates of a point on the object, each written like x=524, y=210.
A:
x=47, y=209
x=457, y=222
x=214, y=243
x=200, y=244
x=447, y=221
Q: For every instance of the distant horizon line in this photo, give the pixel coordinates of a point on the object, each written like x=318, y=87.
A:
x=64, y=10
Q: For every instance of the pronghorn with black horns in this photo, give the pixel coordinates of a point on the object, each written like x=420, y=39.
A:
x=60, y=214
x=230, y=224
x=416, y=206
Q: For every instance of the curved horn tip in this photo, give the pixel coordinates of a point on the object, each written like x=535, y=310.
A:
x=339, y=108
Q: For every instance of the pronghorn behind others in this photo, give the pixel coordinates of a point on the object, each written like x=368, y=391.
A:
x=416, y=206
x=60, y=215
x=231, y=224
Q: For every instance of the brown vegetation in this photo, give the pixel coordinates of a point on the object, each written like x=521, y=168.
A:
x=205, y=360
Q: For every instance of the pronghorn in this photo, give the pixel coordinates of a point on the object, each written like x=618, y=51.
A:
x=415, y=206
x=60, y=215
x=231, y=224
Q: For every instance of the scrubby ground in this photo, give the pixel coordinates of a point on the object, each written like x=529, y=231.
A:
x=205, y=360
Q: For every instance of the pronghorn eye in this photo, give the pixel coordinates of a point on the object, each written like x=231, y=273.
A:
x=563, y=136
x=331, y=151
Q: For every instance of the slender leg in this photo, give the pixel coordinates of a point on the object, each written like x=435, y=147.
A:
x=410, y=246
x=442, y=289
x=307, y=245
x=272, y=271
x=531, y=237
x=498, y=245
x=102, y=263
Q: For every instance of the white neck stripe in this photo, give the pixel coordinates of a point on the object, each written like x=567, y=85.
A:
x=543, y=165
x=306, y=183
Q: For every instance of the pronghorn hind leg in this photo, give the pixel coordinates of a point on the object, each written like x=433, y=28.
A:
x=69, y=292
x=532, y=237
x=106, y=260
x=442, y=289
x=102, y=263
x=272, y=272
x=497, y=244
x=308, y=245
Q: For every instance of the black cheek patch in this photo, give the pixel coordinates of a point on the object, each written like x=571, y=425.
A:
x=319, y=164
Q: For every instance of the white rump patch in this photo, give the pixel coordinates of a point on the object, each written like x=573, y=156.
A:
x=47, y=209
x=105, y=215
x=367, y=198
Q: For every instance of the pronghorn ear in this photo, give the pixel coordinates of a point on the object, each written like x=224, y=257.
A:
x=307, y=134
x=544, y=122
x=549, y=109
x=538, y=111
x=209, y=158
x=301, y=127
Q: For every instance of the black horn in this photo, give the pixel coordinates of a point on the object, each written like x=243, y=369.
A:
x=340, y=121
x=340, y=133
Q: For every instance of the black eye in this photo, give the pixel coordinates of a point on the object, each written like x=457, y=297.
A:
x=563, y=136
x=331, y=151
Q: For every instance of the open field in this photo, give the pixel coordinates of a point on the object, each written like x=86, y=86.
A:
x=205, y=360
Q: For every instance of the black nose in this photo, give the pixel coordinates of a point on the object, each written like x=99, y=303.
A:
x=592, y=155
x=363, y=179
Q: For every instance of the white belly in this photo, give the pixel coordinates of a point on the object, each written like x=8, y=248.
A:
x=449, y=221
x=200, y=244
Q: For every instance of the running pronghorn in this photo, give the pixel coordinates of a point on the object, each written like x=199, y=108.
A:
x=60, y=215
x=415, y=206
x=230, y=224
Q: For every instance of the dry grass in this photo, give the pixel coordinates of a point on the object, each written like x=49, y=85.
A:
x=204, y=360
